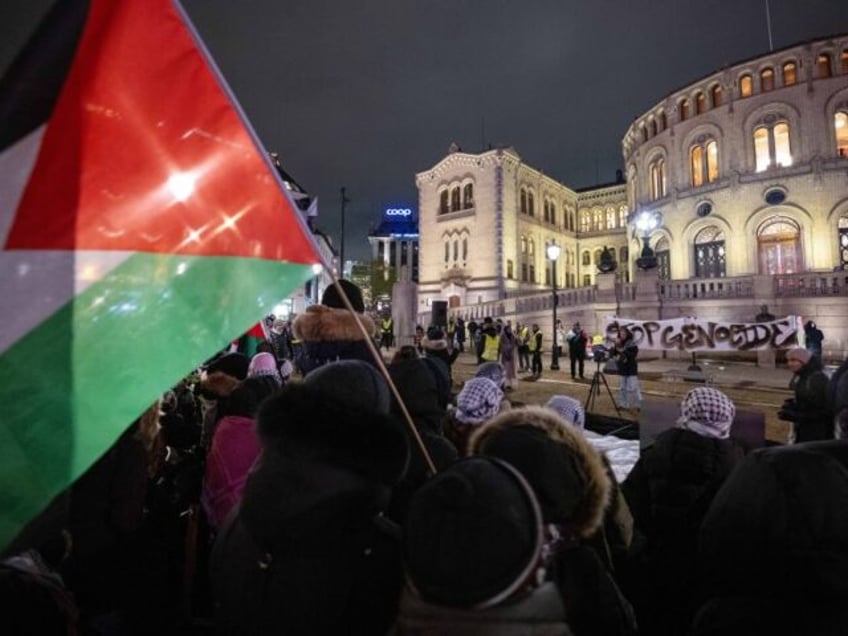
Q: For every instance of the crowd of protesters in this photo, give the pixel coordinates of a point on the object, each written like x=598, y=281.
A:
x=290, y=491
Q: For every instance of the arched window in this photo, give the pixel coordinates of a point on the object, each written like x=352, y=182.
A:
x=585, y=221
x=716, y=95
x=845, y=61
x=523, y=206
x=766, y=80
x=657, y=173
x=653, y=127
x=700, y=103
x=704, y=163
x=464, y=249
x=709, y=253
x=586, y=258
x=468, y=196
x=778, y=246
x=531, y=247
x=644, y=131
x=663, y=121
x=823, y=65
x=840, y=127
x=571, y=221
x=622, y=216
x=443, y=202
x=771, y=146
x=447, y=252
x=455, y=199
x=546, y=214
x=663, y=254
x=842, y=230
x=683, y=107
x=611, y=217
x=746, y=85
x=790, y=74
x=531, y=204
x=455, y=250
x=597, y=256
x=523, y=244
x=597, y=219
x=510, y=269
x=553, y=213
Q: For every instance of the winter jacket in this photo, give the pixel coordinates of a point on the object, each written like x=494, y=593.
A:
x=627, y=352
x=669, y=491
x=328, y=334
x=810, y=411
x=308, y=551
x=423, y=395
x=540, y=613
x=773, y=549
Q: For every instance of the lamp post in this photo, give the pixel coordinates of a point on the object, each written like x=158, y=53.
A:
x=647, y=222
x=553, y=251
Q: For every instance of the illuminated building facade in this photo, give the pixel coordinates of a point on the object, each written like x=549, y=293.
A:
x=394, y=244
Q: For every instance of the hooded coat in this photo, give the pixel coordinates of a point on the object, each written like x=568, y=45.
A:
x=574, y=491
x=669, y=491
x=425, y=396
x=308, y=550
x=328, y=334
x=773, y=549
x=810, y=411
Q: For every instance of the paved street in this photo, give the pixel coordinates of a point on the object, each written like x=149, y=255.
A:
x=750, y=387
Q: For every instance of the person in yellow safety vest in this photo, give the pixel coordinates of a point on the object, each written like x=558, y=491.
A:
x=536, y=352
x=387, y=328
x=523, y=348
x=488, y=346
x=451, y=331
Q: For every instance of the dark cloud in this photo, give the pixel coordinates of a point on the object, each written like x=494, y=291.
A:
x=366, y=94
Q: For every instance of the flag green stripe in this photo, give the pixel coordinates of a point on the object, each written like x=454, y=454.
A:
x=74, y=383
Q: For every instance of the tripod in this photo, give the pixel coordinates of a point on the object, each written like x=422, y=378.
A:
x=595, y=390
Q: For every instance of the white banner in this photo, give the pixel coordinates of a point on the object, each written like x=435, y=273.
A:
x=698, y=334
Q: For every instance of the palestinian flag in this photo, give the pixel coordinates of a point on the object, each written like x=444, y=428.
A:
x=142, y=228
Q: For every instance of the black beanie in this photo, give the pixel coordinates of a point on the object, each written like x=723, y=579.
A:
x=473, y=534
x=332, y=298
x=233, y=364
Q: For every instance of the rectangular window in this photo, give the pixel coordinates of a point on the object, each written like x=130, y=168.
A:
x=532, y=273
x=840, y=123
x=587, y=280
x=823, y=65
x=697, y=166
x=524, y=272
x=712, y=161
x=746, y=86
x=767, y=80
x=789, y=74
x=510, y=273
x=782, y=152
x=761, y=149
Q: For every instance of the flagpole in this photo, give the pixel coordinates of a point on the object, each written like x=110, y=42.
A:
x=768, y=26
x=378, y=358
x=342, y=240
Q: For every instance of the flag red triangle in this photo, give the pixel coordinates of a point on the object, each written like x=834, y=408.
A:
x=146, y=151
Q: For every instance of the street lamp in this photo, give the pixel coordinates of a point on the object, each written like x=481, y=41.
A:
x=553, y=251
x=647, y=222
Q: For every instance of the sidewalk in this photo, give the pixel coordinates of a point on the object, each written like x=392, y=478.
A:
x=733, y=374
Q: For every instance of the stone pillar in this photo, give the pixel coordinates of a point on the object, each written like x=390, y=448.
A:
x=404, y=309
x=764, y=296
x=606, y=287
x=646, y=288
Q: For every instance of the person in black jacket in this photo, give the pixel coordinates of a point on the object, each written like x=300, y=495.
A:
x=574, y=489
x=308, y=550
x=773, y=548
x=809, y=411
x=669, y=491
x=626, y=351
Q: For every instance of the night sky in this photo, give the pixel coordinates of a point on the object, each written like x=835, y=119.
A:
x=366, y=94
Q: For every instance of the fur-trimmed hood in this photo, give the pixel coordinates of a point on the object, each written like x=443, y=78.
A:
x=566, y=473
x=321, y=323
x=218, y=384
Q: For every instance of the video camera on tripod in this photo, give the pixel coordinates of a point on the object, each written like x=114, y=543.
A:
x=602, y=353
